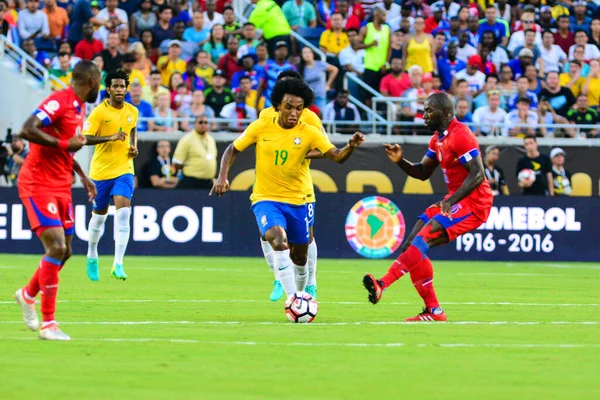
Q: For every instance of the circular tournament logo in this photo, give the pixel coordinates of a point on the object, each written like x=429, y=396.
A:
x=375, y=227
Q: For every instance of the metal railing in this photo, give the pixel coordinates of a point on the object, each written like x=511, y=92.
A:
x=25, y=64
x=375, y=116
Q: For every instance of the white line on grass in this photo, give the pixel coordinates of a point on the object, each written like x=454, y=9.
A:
x=323, y=344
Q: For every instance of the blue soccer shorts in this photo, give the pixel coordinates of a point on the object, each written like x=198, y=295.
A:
x=119, y=186
x=310, y=211
x=292, y=218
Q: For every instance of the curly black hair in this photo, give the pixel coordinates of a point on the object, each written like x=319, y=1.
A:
x=294, y=87
x=118, y=74
x=290, y=73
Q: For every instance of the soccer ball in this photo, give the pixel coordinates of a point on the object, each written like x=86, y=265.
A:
x=301, y=307
x=527, y=176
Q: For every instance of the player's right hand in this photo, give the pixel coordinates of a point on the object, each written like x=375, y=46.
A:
x=220, y=187
x=394, y=152
x=118, y=136
x=76, y=143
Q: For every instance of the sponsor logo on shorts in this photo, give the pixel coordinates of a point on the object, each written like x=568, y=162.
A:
x=375, y=227
x=52, y=208
x=263, y=220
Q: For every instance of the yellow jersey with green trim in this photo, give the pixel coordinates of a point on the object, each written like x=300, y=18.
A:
x=280, y=159
x=309, y=118
x=111, y=159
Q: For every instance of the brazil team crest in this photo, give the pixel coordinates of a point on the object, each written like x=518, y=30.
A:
x=375, y=227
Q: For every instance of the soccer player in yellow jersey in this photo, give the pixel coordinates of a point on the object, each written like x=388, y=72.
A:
x=112, y=128
x=279, y=192
x=310, y=118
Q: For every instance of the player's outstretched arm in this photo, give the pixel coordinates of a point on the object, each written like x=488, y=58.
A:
x=314, y=155
x=221, y=186
x=474, y=179
x=421, y=171
x=94, y=140
x=31, y=132
x=340, y=156
x=88, y=184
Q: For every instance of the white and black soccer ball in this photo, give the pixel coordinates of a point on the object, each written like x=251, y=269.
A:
x=301, y=307
x=526, y=176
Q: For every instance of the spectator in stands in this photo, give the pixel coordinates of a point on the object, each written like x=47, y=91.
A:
x=462, y=92
x=248, y=43
x=439, y=40
x=488, y=118
x=397, y=81
x=147, y=40
x=546, y=21
x=269, y=17
x=142, y=62
x=560, y=176
x=522, y=121
x=63, y=72
x=164, y=116
x=162, y=30
x=88, y=46
x=41, y=57
x=448, y=67
x=507, y=85
x=65, y=47
x=497, y=55
x=16, y=152
x=547, y=116
x=352, y=57
x=334, y=40
x=247, y=63
x=472, y=74
x=245, y=86
x=324, y=9
x=191, y=79
x=231, y=26
x=300, y=14
x=535, y=84
x=491, y=83
x=315, y=73
x=541, y=165
x=127, y=62
x=272, y=71
x=493, y=173
x=110, y=11
x=595, y=32
x=464, y=50
x=451, y=8
x=109, y=26
x=560, y=97
x=522, y=91
x=58, y=19
x=187, y=48
x=591, y=86
x=518, y=65
x=436, y=21
x=582, y=114
x=462, y=111
x=174, y=81
x=197, y=33
x=211, y=16
x=578, y=55
x=397, y=45
x=144, y=108
x=564, y=37
x=154, y=89
x=204, y=69
x=196, y=155
x=473, y=29
x=110, y=55
x=517, y=38
x=182, y=102
x=180, y=12
x=198, y=108
x=218, y=95
x=124, y=40
x=591, y=51
x=342, y=110
x=32, y=22
x=142, y=19
x=580, y=21
x=5, y=26
x=495, y=25
x=529, y=44
x=171, y=63
x=216, y=45
x=572, y=79
x=409, y=110
x=229, y=63
x=553, y=56
x=420, y=9
x=375, y=38
x=238, y=110
x=420, y=48
x=159, y=168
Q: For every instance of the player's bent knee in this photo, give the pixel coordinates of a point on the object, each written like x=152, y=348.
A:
x=299, y=259
x=57, y=249
x=278, y=238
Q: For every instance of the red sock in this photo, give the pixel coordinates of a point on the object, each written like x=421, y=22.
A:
x=422, y=277
x=33, y=287
x=49, y=286
x=403, y=264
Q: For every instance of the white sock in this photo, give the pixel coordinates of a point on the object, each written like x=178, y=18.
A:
x=268, y=253
x=96, y=230
x=121, y=233
x=301, y=277
x=285, y=271
x=312, y=263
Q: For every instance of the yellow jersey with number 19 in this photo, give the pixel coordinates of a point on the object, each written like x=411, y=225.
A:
x=309, y=118
x=280, y=158
x=111, y=159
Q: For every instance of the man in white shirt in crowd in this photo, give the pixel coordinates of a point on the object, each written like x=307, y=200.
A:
x=517, y=39
x=472, y=74
x=523, y=116
x=451, y=8
x=488, y=118
x=342, y=110
x=33, y=23
x=110, y=11
x=238, y=110
x=211, y=16
x=464, y=50
x=554, y=57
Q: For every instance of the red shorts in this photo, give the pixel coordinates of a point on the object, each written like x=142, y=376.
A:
x=463, y=219
x=48, y=211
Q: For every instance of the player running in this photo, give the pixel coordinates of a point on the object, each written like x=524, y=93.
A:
x=465, y=207
x=54, y=132
x=279, y=193
x=112, y=127
x=310, y=118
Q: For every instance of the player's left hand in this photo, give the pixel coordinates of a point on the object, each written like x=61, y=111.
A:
x=220, y=187
x=133, y=151
x=446, y=209
x=90, y=187
x=356, y=140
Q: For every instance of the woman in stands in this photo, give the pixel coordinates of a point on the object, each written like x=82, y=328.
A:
x=164, y=116
x=420, y=48
x=147, y=38
x=216, y=45
x=142, y=63
x=197, y=109
x=314, y=71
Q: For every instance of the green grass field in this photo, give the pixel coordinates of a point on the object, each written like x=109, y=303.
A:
x=203, y=328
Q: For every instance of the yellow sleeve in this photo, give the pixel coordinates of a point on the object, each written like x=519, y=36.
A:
x=313, y=119
x=136, y=115
x=92, y=125
x=319, y=141
x=180, y=155
x=248, y=138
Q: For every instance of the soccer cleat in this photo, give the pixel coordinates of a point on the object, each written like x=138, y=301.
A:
x=374, y=287
x=30, y=316
x=92, y=269
x=277, y=292
x=312, y=290
x=52, y=332
x=435, y=315
x=118, y=272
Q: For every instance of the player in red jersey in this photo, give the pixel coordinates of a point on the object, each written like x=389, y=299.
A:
x=466, y=206
x=54, y=134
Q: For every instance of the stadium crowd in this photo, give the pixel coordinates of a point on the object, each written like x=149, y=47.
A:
x=511, y=66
